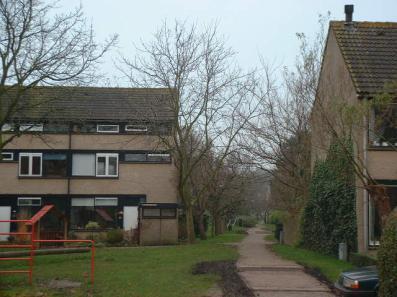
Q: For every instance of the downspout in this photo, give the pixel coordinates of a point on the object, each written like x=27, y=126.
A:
x=69, y=172
x=365, y=196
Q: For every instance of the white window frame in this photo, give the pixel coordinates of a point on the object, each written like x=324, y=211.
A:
x=29, y=198
x=98, y=126
x=31, y=155
x=138, y=128
x=7, y=127
x=11, y=158
x=107, y=156
x=30, y=127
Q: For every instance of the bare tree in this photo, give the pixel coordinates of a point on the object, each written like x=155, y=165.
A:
x=278, y=141
x=208, y=94
x=40, y=47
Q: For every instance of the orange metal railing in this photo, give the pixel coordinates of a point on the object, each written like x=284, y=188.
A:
x=32, y=247
x=29, y=246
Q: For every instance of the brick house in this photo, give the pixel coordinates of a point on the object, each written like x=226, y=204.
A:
x=360, y=58
x=96, y=154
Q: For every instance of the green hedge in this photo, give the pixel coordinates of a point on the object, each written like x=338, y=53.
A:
x=329, y=216
x=387, y=259
x=360, y=260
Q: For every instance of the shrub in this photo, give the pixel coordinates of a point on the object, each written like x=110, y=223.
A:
x=387, y=259
x=115, y=236
x=329, y=216
x=92, y=225
x=247, y=221
x=276, y=217
x=239, y=230
x=361, y=260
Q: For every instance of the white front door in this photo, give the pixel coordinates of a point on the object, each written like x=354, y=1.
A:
x=130, y=217
x=5, y=214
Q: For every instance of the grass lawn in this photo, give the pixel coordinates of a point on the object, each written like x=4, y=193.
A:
x=330, y=267
x=134, y=272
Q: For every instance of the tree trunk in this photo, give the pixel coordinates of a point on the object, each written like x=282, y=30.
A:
x=219, y=226
x=191, y=237
x=203, y=234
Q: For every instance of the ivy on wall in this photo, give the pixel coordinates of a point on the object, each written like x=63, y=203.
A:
x=387, y=259
x=329, y=216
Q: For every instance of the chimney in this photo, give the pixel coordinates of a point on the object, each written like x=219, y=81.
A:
x=349, y=13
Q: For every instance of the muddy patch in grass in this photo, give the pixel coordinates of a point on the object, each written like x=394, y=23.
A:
x=231, y=283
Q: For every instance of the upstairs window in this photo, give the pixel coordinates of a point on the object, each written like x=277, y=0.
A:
x=107, y=128
x=54, y=165
x=159, y=158
x=7, y=156
x=83, y=165
x=30, y=127
x=383, y=126
x=147, y=157
x=136, y=128
x=30, y=164
x=7, y=127
x=107, y=165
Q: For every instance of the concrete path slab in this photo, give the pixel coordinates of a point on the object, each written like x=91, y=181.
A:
x=270, y=276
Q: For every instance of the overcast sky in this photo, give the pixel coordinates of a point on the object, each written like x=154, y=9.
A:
x=252, y=27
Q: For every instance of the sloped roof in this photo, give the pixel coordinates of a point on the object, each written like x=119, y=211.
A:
x=93, y=104
x=370, y=52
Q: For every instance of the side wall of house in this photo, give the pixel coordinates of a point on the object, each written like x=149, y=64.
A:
x=336, y=89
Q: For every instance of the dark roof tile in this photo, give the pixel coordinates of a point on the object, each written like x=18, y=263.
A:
x=370, y=53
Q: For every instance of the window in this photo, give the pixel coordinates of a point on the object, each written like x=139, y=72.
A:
x=56, y=128
x=83, y=165
x=161, y=213
x=101, y=210
x=30, y=164
x=7, y=127
x=31, y=127
x=160, y=158
x=383, y=126
x=54, y=165
x=151, y=212
x=29, y=201
x=136, y=128
x=108, y=128
x=168, y=212
x=7, y=156
x=135, y=157
x=374, y=220
x=107, y=164
x=145, y=157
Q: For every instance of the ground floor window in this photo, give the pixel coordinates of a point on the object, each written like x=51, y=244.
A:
x=94, y=213
x=374, y=220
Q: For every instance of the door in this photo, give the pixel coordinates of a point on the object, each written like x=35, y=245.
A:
x=5, y=214
x=130, y=217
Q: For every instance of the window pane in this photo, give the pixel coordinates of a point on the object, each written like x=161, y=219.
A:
x=54, y=164
x=151, y=212
x=100, y=166
x=135, y=128
x=108, y=128
x=29, y=201
x=24, y=165
x=31, y=127
x=80, y=216
x=112, y=170
x=106, y=201
x=7, y=156
x=36, y=165
x=82, y=201
x=168, y=212
x=83, y=164
x=159, y=158
x=106, y=216
x=135, y=157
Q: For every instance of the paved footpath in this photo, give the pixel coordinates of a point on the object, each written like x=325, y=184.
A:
x=270, y=276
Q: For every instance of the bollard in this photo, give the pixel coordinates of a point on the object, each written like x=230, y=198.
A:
x=342, y=251
x=281, y=237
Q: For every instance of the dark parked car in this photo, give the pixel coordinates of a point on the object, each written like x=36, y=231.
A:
x=362, y=282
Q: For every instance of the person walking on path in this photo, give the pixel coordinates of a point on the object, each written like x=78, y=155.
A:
x=270, y=276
